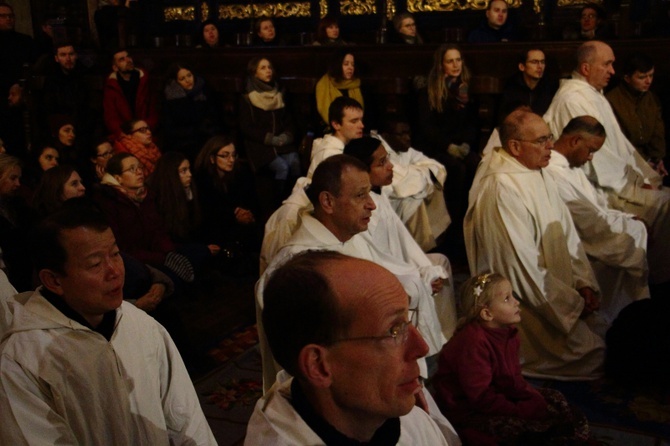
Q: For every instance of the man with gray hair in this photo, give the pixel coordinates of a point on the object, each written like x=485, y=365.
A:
x=617, y=170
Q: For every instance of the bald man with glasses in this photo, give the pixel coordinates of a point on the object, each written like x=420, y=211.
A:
x=352, y=348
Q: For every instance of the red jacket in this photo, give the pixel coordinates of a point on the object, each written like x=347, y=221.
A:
x=117, y=110
x=479, y=373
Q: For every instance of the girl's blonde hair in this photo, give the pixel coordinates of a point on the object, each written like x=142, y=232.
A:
x=476, y=293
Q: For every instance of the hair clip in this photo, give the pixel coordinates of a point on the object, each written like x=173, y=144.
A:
x=480, y=283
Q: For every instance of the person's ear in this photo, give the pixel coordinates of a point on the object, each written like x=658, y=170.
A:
x=51, y=281
x=626, y=78
x=313, y=365
x=327, y=201
x=485, y=314
x=514, y=147
x=522, y=67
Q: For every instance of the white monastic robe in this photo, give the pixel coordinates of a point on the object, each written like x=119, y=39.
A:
x=284, y=222
x=617, y=168
x=617, y=163
x=323, y=148
x=312, y=234
x=418, y=201
x=391, y=243
x=614, y=241
x=275, y=422
x=518, y=226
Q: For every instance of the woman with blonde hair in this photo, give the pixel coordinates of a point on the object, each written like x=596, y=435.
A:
x=448, y=125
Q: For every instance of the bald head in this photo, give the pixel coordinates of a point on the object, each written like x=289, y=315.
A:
x=595, y=61
x=527, y=138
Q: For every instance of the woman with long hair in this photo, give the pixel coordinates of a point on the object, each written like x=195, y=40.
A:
x=267, y=127
x=227, y=197
x=448, y=127
x=340, y=80
x=190, y=114
x=58, y=184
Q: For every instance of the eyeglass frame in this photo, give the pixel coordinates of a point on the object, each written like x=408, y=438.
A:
x=226, y=156
x=399, y=336
x=144, y=130
x=541, y=141
x=134, y=169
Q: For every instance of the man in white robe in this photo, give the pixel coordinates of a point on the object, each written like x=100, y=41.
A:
x=340, y=192
x=518, y=226
x=417, y=191
x=343, y=328
x=615, y=242
x=346, y=120
x=390, y=240
x=617, y=170
x=81, y=366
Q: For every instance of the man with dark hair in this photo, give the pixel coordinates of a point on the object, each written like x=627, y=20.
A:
x=340, y=195
x=416, y=192
x=638, y=110
x=495, y=27
x=529, y=86
x=352, y=346
x=617, y=170
x=66, y=92
x=345, y=116
x=614, y=241
x=391, y=242
x=518, y=226
x=72, y=368
x=126, y=95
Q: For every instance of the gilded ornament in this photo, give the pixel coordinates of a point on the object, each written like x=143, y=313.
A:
x=173, y=13
x=358, y=7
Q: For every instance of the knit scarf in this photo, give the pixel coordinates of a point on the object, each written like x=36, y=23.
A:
x=264, y=95
x=148, y=155
x=458, y=92
x=136, y=196
x=175, y=91
x=328, y=89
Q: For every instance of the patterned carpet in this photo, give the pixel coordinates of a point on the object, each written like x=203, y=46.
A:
x=228, y=394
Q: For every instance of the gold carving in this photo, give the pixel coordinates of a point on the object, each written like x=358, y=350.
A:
x=390, y=9
x=290, y=9
x=323, y=8
x=577, y=2
x=179, y=13
x=358, y=7
x=204, y=11
x=452, y=5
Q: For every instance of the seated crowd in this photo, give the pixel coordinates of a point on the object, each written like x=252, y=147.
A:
x=564, y=218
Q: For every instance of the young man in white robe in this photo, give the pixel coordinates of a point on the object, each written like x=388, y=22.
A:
x=391, y=241
x=617, y=170
x=614, y=241
x=345, y=330
x=518, y=226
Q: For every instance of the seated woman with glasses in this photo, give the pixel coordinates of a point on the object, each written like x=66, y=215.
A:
x=134, y=219
x=136, y=139
x=228, y=200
